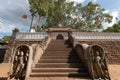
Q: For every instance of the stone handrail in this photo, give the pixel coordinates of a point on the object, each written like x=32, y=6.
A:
x=29, y=64
x=82, y=50
x=87, y=56
x=35, y=52
x=38, y=50
x=95, y=36
x=30, y=36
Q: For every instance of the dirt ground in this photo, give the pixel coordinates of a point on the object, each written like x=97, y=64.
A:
x=114, y=71
x=4, y=68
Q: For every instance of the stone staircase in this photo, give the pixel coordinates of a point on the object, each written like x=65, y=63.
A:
x=59, y=60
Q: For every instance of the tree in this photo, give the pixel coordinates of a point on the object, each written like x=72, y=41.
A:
x=83, y=18
x=114, y=28
x=60, y=12
x=38, y=7
x=6, y=39
x=90, y=17
x=54, y=11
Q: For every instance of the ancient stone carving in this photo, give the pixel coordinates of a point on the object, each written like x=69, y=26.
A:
x=19, y=64
x=99, y=63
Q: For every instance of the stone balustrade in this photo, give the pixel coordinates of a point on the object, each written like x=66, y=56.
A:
x=96, y=36
x=36, y=35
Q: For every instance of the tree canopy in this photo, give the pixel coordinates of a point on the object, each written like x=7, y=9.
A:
x=6, y=39
x=83, y=18
x=114, y=28
x=91, y=16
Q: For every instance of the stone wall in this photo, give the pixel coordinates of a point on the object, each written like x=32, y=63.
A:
x=2, y=54
x=111, y=48
x=12, y=45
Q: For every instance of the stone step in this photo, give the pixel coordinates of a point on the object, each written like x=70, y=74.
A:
x=68, y=51
x=59, y=61
x=58, y=65
x=53, y=43
x=59, y=78
x=58, y=41
x=56, y=52
x=41, y=70
x=59, y=74
x=59, y=54
x=59, y=49
x=60, y=57
x=58, y=46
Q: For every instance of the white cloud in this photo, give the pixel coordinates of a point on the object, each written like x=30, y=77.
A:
x=115, y=15
x=10, y=16
x=79, y=1
x=0, y=22
x=9, y=28
x=76, y=1
x=94, y=1
x=106, y=11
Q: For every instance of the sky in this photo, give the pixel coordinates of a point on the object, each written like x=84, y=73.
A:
x=11, y=12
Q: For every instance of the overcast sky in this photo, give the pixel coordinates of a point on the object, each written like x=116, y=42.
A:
x=11, y=12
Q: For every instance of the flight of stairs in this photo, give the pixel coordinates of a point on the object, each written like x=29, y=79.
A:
x=59, y=60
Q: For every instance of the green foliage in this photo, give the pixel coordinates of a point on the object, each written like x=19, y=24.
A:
x=114, y=28
x=83, y=18
x=6, y=39
x=38, y=7
x=60, y=12
x=90, y=17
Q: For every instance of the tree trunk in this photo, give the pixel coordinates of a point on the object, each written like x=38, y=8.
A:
x=31, y=22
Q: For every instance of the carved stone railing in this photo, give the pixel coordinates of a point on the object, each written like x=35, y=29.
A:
x=39, y=50
x=81, y=49
x=95, y=36
x=97, y=69
x=30, y=36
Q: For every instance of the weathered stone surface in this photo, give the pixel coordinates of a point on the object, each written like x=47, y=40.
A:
x=56, y=78
x=2, y=54
x=14, y=44
x=111, y=48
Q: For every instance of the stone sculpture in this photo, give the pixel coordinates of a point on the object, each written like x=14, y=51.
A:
x=99, y=63
x=19, y=64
